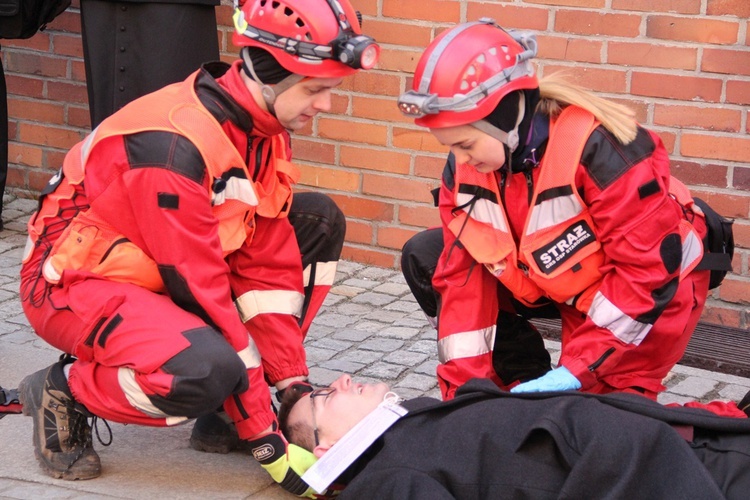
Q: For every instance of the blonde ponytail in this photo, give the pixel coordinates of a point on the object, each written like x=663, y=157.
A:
x=557, y=93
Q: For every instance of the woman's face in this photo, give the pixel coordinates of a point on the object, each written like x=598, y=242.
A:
x=472, y=146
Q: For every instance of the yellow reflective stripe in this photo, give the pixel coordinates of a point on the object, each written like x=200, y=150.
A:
x=138, y=399
x=325, y=273
x=466, y=344
x=606, y=315
x=237, y=188
x=250, y=355
x=483, y=211
x=552, y=212
x=692, y=250
x=255, y=302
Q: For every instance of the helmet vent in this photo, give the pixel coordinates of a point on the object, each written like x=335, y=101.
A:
x=288, y=11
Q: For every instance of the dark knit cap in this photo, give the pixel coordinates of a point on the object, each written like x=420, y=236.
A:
x=265, y=65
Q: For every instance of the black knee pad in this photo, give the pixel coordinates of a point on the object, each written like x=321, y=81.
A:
x=419, y=258
x=205, y=374
x=320, y=227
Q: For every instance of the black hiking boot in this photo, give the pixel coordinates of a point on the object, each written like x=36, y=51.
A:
x=62, y=434
x=214, y=433
x=744, y=405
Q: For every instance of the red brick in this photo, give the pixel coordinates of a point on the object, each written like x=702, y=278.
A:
x=708, y=118
x=728, y=205
x=311, y=150
x=77, y=71
x=597, y=23
x=419, y=216
x=67, y=92
x=366, y=7
x=399, y=59
x=417, y=139
x=716, y=147
x=47, y=136
x=683, y=88
x=34, y=64
x=359, y=232
x=53, y=159
x=16, y=177
x=346, y=130
x=730, y=62
x=651, y=55
x=738, y=92
x=376, y=108
x=398, y=33
x=718, y=315
x=564, y=48
x=741, y=178
x=684, y=29
x=224, y=15
x=47, y=112
x=638, y=106
x=592, y=4
x=394, y=237
x=424, y=10
x=698, y=174
x=741, y=235
x=370, y=257
x=511, y=15
x=669, y=139
x=329, y=178
x=364, y=208
x=339, y=104
x=23, y=86
x=676, y=6
x=735, y=291
x=24, y=154
x=79, y=117
x=372, y=82
x=739, y=8
x=401, y=188
x=68, y=21
x=68, y=45
x=593, y=78
x=429, y=166
x=375, y=159
x=40, y=42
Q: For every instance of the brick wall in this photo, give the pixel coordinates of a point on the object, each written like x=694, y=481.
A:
x=683, y=65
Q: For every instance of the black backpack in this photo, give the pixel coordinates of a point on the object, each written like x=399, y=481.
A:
x=23, y=18
x=718, y=245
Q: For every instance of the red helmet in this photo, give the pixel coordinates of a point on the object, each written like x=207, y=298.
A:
x=315, y=38
x=466, y=71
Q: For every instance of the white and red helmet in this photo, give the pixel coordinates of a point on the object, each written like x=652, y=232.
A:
x=466, y=71
x=312, y=38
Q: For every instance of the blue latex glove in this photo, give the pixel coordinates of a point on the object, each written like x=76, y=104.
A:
x=559, y=379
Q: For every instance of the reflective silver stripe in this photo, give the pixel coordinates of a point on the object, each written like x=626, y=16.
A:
x=27, y=249
x=466, y=344
x=236, y=189
x=138, y=399
x=255, y=302
x=483, y=211
x=606, y=315
x=692, y=250
x=325, y=273
x=250, y=355
x=552, y=212
x=86, y=147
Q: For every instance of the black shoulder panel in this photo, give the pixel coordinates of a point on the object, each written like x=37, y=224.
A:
x=165, y=150
x=606, y=159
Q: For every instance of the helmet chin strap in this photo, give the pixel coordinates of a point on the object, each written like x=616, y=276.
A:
x=510, y=139
x=269, y=92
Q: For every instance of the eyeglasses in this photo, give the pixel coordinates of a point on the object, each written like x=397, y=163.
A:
x=326, y=391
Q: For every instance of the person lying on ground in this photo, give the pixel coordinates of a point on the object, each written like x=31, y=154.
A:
x=487, y=443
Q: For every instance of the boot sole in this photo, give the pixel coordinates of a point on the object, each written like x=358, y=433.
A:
x=30, y=406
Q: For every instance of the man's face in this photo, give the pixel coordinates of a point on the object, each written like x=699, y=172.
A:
x=301, y=102
x=336, y=412
x=472, y=146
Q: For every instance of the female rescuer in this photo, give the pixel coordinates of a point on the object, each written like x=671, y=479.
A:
x=554, y=202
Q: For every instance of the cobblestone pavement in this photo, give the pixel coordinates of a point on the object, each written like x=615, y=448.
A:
x=370, y=326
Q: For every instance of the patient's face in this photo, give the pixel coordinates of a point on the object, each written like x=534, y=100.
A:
x=340, y=410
